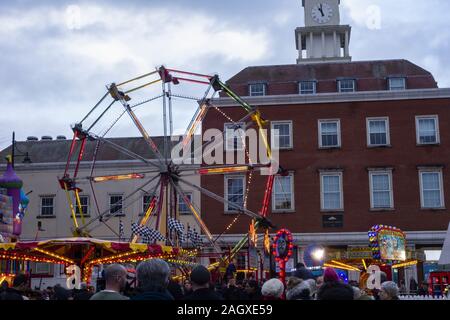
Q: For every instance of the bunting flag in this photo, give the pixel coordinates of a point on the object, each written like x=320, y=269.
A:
x=148, y=235
x=195, y=237
x=178, y=227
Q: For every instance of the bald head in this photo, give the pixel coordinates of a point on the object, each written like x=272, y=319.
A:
x=115, y=276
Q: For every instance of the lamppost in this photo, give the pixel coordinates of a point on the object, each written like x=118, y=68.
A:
x=20, y=154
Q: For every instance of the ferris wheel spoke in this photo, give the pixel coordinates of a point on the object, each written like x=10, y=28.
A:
x=219, y=85
x=224, y=169
x=223, y=135
x=123, y=150
x=115, y=93
x=95, y=107
x=196, y=215
x=118, y=177
x=138, y=78
x=105, y=213
x=101, y=115
x=198, y=117
x=145, y=101
x=195, y=123
x=221, y=199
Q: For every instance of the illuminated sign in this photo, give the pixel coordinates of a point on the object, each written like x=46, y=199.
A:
x=387, y=243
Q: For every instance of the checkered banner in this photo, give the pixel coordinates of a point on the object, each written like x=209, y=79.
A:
x=178, y=227
x=195, y=237
x=148, y=235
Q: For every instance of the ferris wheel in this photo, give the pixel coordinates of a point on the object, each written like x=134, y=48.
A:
x=167, y=173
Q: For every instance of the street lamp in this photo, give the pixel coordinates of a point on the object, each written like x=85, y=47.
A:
x=318, y=254
x=26, y=155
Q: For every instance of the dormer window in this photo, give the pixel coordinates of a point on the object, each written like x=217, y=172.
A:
x=307, y=87
x=346, y=85
x=257, y=89
x=397, y=83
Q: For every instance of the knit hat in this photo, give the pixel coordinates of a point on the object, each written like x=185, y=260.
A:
x=273, y=288
x=330, y=275
x=200, y=275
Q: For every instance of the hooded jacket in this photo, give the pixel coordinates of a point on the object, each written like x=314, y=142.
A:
x=301, y=291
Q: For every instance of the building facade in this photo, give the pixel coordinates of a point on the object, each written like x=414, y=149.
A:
x=365, y=143
x=48, y=215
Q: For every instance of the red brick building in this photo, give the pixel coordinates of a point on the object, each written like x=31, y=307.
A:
x=365, y=143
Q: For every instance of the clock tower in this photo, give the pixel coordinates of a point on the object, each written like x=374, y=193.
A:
x=322, y=39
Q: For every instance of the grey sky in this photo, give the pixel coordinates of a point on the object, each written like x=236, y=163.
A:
x=55, y=64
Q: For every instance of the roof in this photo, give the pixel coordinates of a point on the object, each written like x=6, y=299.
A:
x=58, y=150
x=370, y=76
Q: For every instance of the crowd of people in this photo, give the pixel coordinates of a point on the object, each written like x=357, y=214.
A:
x=153, y=278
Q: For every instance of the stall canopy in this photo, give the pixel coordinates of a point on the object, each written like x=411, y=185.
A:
x=81, y=251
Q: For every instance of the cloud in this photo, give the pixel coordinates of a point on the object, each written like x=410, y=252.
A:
x=56, y=60
x=283, y=18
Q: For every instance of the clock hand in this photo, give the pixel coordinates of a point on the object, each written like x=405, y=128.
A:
x=321, y=10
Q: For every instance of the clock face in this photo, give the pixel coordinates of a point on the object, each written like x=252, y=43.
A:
x=322, y=13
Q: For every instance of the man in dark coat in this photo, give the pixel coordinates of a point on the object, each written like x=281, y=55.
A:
x=302, y=272
x=200, y=279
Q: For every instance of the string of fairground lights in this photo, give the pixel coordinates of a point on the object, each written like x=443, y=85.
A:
x=15, y=256
x=249, y=176
x=88, y=270
x=117, y=259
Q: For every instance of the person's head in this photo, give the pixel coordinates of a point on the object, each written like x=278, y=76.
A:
x=153, y=275
x=4, y=285
x=187, y=285
x=300, y=265
x=301, y=291
x=356, y=293
x=330, y=275
x=61, y=293
x=83, y=286
x=20, y=281
x=251, y=287
x=175, y=290
x=272, y=289
x=232, y=282
x=389, y=290
x=319, y=282
x=115, y=277
x=200, y=277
